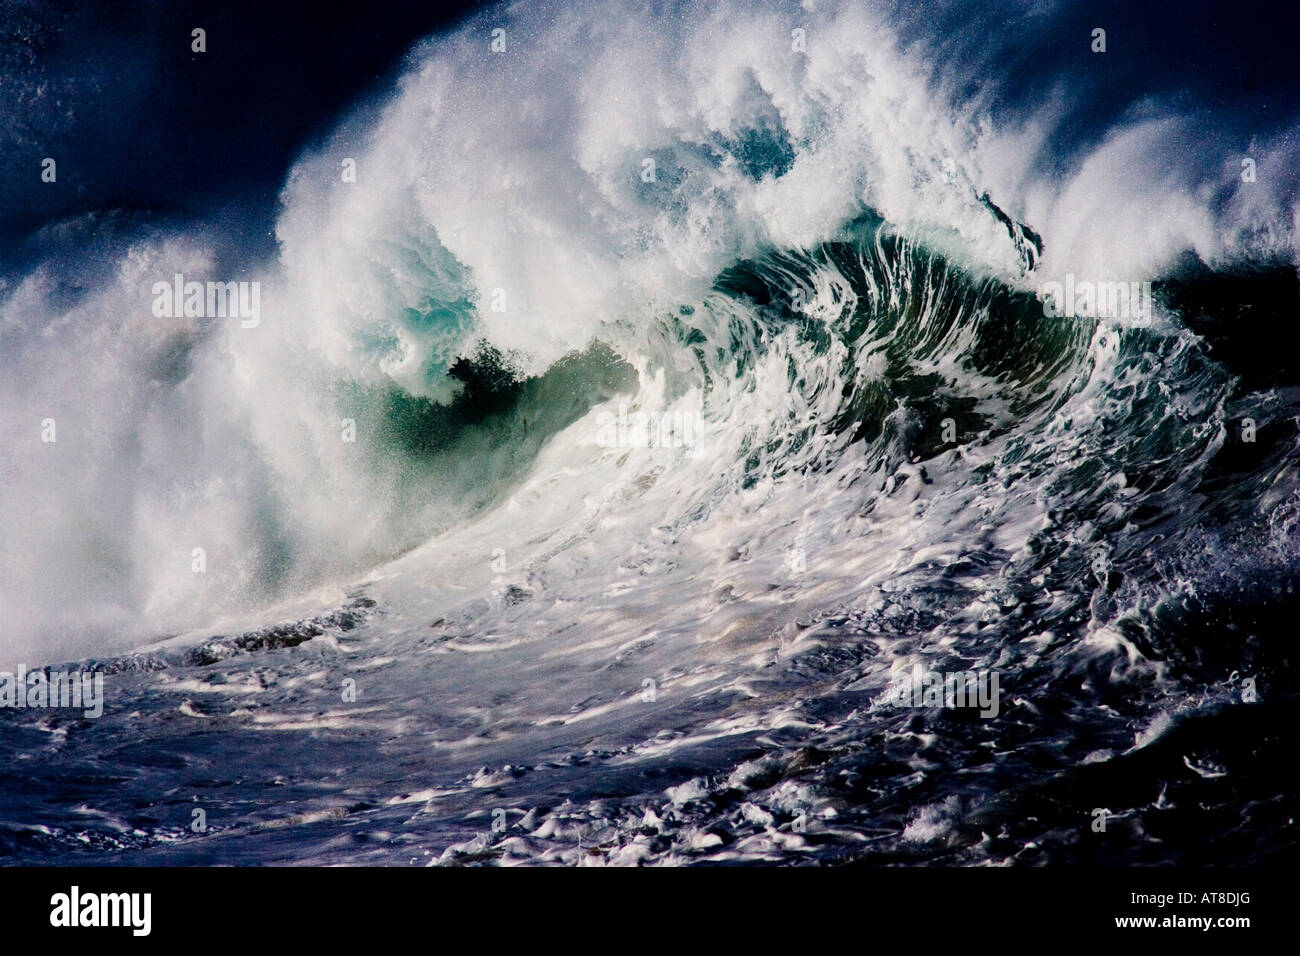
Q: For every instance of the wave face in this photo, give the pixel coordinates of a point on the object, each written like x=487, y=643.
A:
x=667, y=390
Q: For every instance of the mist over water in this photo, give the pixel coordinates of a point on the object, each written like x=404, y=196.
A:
x=820, y=234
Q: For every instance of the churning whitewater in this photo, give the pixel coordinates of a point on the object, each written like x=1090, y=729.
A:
x=666, y=438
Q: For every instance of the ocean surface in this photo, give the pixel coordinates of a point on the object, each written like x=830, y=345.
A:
x=641, y=402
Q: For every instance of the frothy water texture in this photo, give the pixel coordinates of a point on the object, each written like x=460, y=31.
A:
x=805, y=231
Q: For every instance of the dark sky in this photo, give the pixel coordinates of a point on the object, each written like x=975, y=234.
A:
x=137, y=121
x=1235, y=63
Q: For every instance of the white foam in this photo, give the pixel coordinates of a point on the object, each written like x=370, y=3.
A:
x=521, y=172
